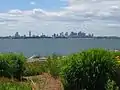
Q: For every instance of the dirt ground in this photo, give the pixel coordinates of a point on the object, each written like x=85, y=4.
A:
x=45, y=82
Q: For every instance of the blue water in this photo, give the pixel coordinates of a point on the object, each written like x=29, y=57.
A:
x=46, y=47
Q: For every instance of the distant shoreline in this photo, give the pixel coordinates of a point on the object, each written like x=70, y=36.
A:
x=59, y=38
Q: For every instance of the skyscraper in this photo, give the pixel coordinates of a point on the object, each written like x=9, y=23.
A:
x=17, y=34
x=29, y=33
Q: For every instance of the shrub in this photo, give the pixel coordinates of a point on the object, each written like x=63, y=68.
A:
x=33, y=68
x=11, y=65
x=111, y=85
x=19, y=69
x=116, y=53
x=52, y=65
x=89, y=70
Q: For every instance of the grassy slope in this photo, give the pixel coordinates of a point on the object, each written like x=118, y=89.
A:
x=39, y=82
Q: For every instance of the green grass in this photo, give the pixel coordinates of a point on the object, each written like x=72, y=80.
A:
x=33, y=68
x=14, y=86
x=9, y=84
x=53, y=65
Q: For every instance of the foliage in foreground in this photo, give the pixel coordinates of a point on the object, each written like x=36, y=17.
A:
x=89, y=70
x=33, y=68
x=11, y=65
x=52, y=65
x=111, y=85
x=14, y=86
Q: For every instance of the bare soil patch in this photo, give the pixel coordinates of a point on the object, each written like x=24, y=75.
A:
x=45, y=82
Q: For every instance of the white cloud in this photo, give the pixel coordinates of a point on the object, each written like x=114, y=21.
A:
x=100, y=17
x=15, y=12
x=32, y=3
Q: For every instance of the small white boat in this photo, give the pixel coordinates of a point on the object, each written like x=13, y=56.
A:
x=34, y=57
x=116, y=50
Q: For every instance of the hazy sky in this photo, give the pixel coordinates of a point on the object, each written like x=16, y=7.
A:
x=101, y=17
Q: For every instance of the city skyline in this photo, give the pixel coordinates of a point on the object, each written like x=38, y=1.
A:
x=30, y=33
x=79, y=34
x=100, y=17
x=64, y=35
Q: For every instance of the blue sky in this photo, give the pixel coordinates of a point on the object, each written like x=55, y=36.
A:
x=101, y=17
x=6, y=5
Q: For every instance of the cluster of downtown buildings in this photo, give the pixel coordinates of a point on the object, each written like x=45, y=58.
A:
x=60, y=35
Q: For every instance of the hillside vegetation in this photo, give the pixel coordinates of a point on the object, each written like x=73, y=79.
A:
x=93, y=69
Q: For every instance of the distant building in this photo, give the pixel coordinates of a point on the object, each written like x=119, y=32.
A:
x=33, y=35
x=61, y=34
x=81, y=34
x=17, y=34
x=30, y=34
x=73, y=34
x=57, y=35
x=90, y=35
x=66, y=34
x=54, y=35
x=43, y=36
x=24, y=36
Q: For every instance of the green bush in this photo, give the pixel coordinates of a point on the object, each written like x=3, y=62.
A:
x=111, y=85
x=115, y=53
x=14, y=84
x=89, y=70
x=52, y=65
x=12, y=65
x=33, y=68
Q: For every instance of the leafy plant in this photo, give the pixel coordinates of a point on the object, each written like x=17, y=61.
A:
x=111, y=85
x=52, y=65
x=33, y=68
x=11, y=65
x=89, y=70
